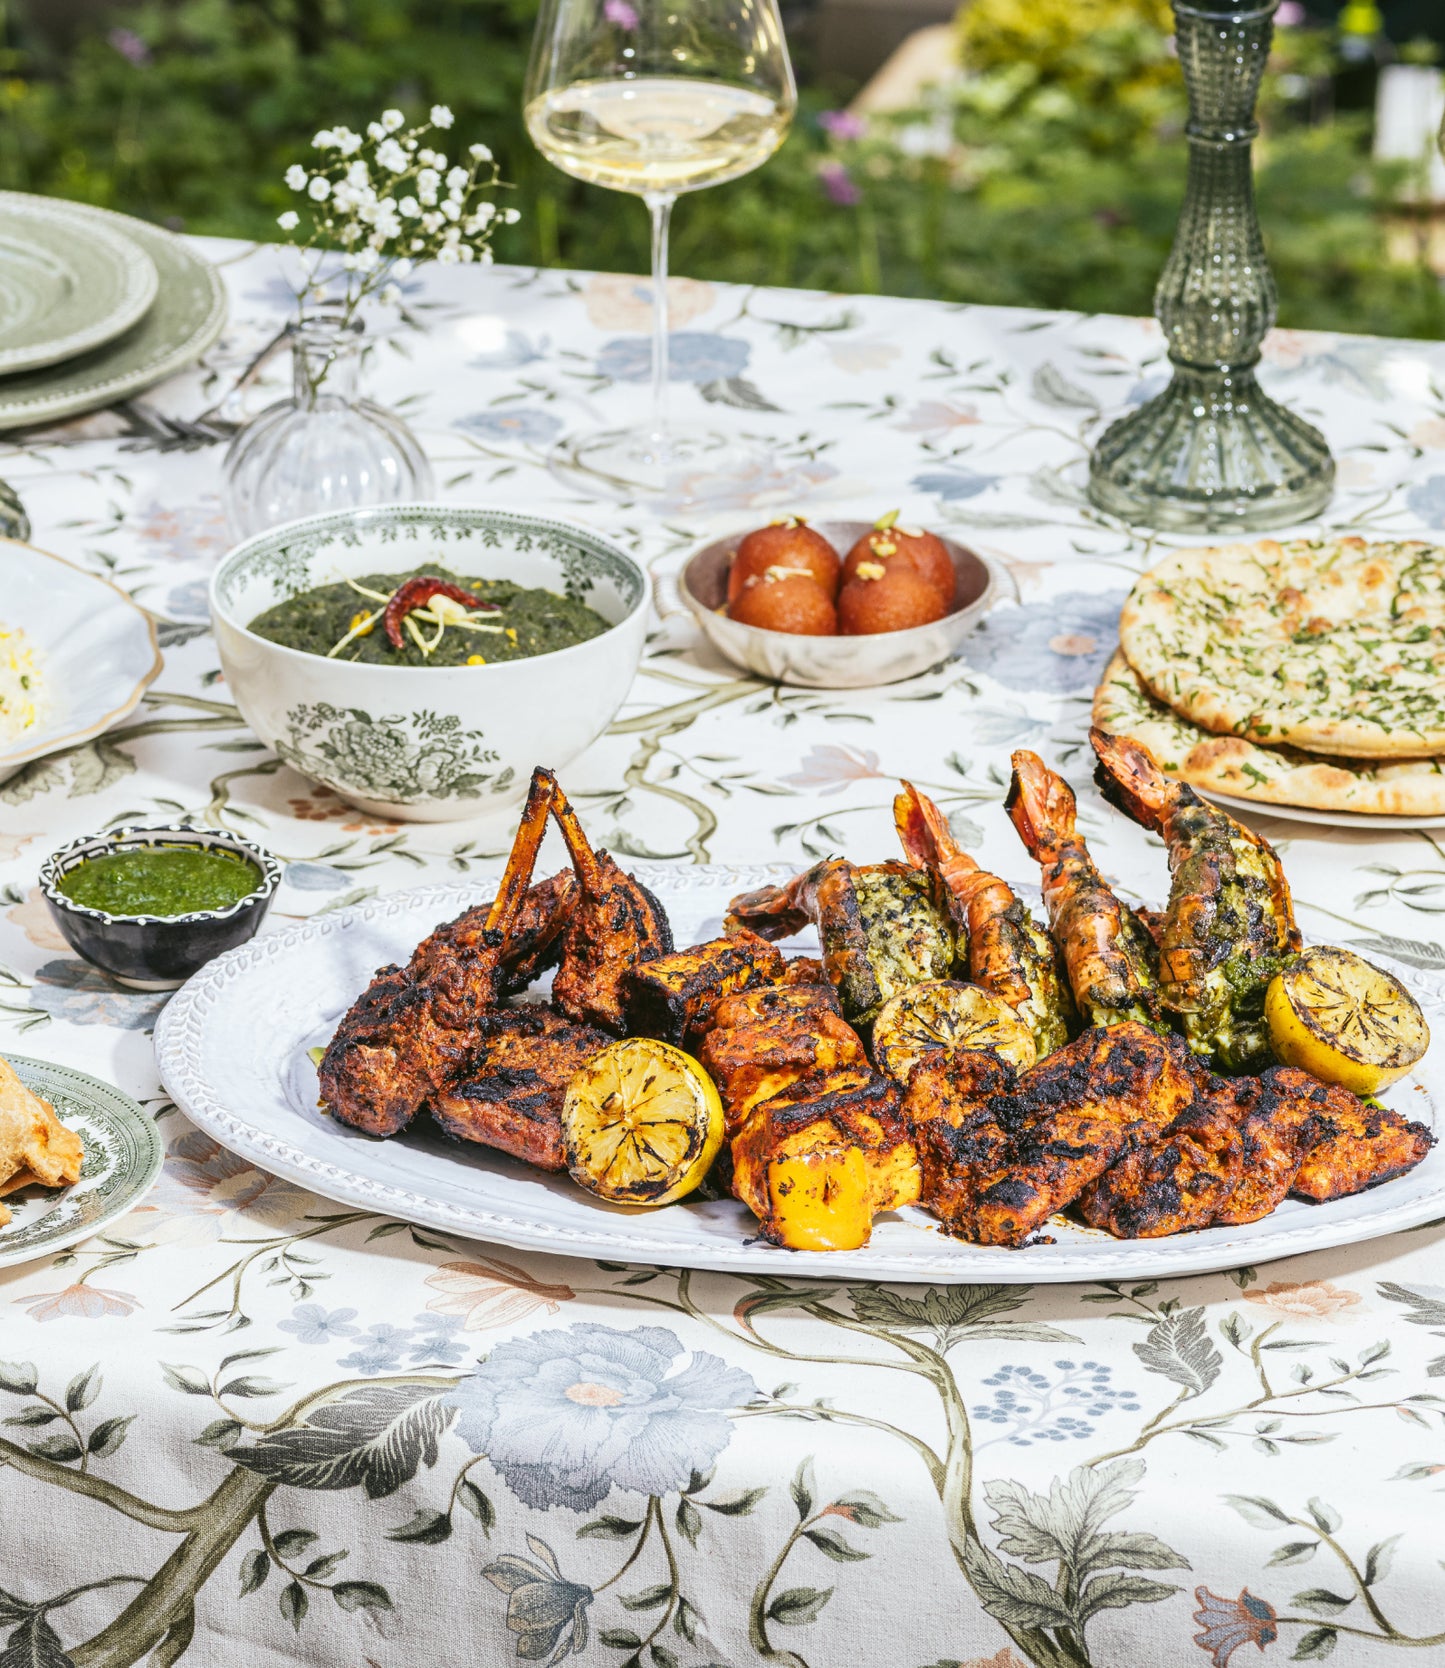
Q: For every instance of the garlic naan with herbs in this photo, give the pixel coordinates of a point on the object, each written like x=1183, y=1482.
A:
x=1336, y=646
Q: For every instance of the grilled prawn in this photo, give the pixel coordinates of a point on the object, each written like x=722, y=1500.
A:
x=883, y=926
x=1229, y=926
x=1008, y=953
x=1108, y=953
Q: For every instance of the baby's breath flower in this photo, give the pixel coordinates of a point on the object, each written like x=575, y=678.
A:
x=324, y=141
x=511, y=216
x=479, y=153
x=447, y=256
x=458, y=179
x=296, y=177
x=409, y=207
x=358, y=173
x=441, y=116
x=319, y=189
x=375, y=131
x=391, y=120
x=347, y=142
x=389, y=295
x=401, y=267
x=289, y=221
x=390, y=155
x=427, y=158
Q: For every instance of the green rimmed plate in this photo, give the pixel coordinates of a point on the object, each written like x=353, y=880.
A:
x=187, y=315
x=123, y=1155
x=67, y=283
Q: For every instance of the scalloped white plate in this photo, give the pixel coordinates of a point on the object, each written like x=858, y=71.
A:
x=232, y=1049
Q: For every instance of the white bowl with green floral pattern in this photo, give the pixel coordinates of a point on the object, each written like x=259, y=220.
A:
x=433, y=743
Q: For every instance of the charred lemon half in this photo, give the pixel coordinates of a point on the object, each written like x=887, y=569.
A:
x=641, y=1123
x=1336, y=1015
x=949, y=1015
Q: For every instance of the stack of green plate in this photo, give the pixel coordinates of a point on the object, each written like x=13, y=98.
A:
x=94, y=307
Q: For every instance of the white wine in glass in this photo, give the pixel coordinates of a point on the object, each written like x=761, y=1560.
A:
x=657, y=97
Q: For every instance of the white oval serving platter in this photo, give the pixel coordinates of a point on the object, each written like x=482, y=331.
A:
x=232, y=1049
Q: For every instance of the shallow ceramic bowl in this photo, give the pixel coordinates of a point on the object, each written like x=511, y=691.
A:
x=835, y=662
x=97, y=650
x=156, y=952
x=428, y=744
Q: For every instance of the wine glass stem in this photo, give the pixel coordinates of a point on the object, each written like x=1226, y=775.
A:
x=660, y=204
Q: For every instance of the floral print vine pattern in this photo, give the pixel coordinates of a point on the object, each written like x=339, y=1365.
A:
x=247, y=1424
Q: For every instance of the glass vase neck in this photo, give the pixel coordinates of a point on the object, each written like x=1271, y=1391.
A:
x=325, y=359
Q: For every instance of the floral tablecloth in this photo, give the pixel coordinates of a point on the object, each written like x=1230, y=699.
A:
x=245, y=1426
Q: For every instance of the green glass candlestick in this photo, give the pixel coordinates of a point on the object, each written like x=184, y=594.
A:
x=1213, y=451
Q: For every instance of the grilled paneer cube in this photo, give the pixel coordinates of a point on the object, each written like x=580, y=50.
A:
x=675, y=997
x=1172, y=1184
x=817, y=1162
x=764, y=1040
x=509, y=1092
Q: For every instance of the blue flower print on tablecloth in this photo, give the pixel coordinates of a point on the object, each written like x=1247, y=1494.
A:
x=1058, y=645
x=314, y=1324
x=1426, y=499
x=954, y=485
x=763, y=484
x=316, y=877
x=1226, y=1624
x=693, y=356
x=1033, y=1408
x=525, y=423
x=72, y=991
x=567, y=1416
x=437, y=1339
x=189, y=602
x=185, y=532
x=378, y=1350
x=514, y=350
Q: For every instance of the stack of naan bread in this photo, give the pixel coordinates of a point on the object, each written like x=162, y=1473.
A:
x=1309, y=672
x=36, y=1149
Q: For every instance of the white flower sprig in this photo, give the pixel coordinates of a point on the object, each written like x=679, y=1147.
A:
x=387, y=202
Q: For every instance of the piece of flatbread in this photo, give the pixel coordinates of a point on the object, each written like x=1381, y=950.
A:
x=32, y=1139
x=1335, y=645
x=1269, y=775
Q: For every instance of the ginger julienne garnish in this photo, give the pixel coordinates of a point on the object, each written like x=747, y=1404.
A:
x=436, y=601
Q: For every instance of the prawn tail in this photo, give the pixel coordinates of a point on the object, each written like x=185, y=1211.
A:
x=923, y=829
x=1130, y=779
x=1040, y=804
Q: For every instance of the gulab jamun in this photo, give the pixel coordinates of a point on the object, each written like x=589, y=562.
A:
x=790, y=544
x=794, y=603
x=891, y=545
x=888, y=599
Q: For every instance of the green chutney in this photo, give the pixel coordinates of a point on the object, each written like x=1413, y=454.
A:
x=530, y=621
x=160, y=880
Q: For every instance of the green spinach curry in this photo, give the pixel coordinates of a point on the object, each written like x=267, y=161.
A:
x=428, y=616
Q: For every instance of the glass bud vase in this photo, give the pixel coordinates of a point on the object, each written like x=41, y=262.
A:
x=325, y=448
x=1213, y=451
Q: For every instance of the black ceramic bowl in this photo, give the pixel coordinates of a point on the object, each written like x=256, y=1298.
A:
x=156, y=952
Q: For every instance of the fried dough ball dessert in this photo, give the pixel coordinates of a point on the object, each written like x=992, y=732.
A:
x=888, y=545
x=794, y=603
x=887, y=599
x=790, y=546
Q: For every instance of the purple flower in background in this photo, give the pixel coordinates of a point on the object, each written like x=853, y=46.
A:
x=314, y=1325
x=130, y=46
x=517, y=423
x=1290, y=14
x=1228, y=1623
x=1059, y=645
x=693, y=356
x=842, y=124
x=838, y=185
x=620, y=13
x=953, y=485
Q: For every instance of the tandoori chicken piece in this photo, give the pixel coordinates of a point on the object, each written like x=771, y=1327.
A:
x=1356, y=1146
x=411, y=1027
x=508, y=1091
x=816, y=1163
x=1173, y=1183
x=948, y=1109
x=675, y=997
x=763, y=1041
x=1108, y=954
x=883, y=927
x=1277, y=1115
x=1229, y=926
x=615, y=926
x=533, y=946
x=1007, y=951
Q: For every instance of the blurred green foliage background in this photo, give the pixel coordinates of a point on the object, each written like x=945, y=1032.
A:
x=1052, y=177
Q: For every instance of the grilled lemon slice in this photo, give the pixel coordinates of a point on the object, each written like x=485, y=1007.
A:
x=1336, y=1015
x=641, y=1123
x=947, y=1014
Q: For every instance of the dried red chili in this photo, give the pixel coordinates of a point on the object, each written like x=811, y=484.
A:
x=416, y=593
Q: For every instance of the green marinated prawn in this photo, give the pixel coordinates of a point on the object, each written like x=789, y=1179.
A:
x=1229, y=926
x=1008, y=952
x=1108, y=952
x=883, y=927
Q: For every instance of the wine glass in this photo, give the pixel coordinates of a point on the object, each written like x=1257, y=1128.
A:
x=657, y=97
